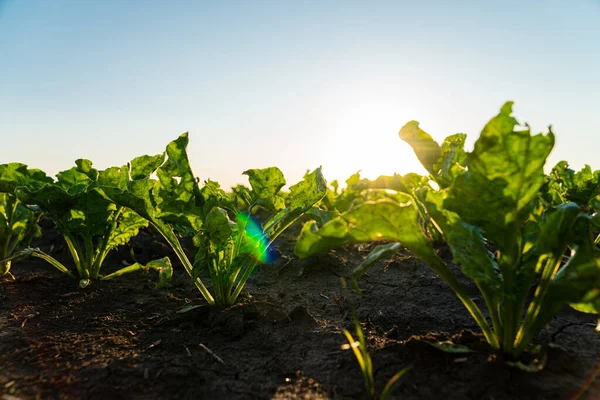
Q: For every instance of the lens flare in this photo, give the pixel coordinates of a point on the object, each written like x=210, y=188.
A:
x=257, y=243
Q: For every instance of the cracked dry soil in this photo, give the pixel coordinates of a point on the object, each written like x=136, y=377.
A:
x=123, y=339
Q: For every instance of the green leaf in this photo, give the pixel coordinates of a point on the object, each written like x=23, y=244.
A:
x=13, y=175
x=556, y=229
x=303, y=196
x=382, y=220
x=266, y=184
x=427, y=150
x=165, y=271
x=308, y=191
x=452, y=160
x=505, y=173
x=77, y=178
x=466, y=243
x=175, y=194
x=162, y=266
x=113, y=176
x=379, y=252
x=590, y=303
x=218, y=227
x=321, y=216
x=142, y=167
x=401, y=183
x=127, y=227
x=172, y=199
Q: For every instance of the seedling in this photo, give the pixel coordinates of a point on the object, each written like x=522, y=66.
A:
x=361, y=352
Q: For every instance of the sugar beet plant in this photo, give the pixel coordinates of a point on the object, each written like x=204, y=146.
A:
x=90, y=225
x=230, y=242
x=565, y=185
x=486, y=199
x=18, y=223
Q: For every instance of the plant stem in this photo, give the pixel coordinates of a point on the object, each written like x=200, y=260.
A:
x=169, y=236
x=75, y=254
x=526, y=333
x=103, y=249
x=252, y=262
x=442, y=270
x=53, y=261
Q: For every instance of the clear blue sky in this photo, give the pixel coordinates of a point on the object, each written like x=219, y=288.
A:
x=295, y=84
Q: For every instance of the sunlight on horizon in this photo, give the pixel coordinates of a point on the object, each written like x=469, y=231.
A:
x=365, y=136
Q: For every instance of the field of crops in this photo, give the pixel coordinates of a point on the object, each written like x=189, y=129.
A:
x=480, y=280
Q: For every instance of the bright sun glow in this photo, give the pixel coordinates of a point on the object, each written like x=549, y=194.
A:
x=365, y=137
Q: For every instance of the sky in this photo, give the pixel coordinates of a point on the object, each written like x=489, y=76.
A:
x=296, y=84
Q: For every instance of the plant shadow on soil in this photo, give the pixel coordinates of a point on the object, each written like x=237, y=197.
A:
x=124, y=339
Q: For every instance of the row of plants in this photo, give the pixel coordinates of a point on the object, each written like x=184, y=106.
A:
x=96, y=211
x=528, y=240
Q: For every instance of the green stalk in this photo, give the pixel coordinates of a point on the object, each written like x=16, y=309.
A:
x=217, y=283
x=127, y=270
x=176, y=246
x=491, y=302
x=89, y=256
x=511, y=315
x=438, y=266
x=11, y=246
x=103, y=250
x=6, y=250
x=53, y=261
x=253, y=261
x=247, y=273
x=250, y=262
x=526, y=333
x=388, y=386
x=73, y=249
x=4, y=264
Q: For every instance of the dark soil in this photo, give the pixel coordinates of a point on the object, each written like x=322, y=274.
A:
x=124, y=339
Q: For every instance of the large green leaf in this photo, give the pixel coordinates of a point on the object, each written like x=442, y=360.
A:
x=505, y=173
x=13, y=175
x=175, y=193
x=427, y=150
x=127, y=226
x=172, y=199
x=143, y=166
x=382, y=220
x=308, y=191
x=113, y=176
